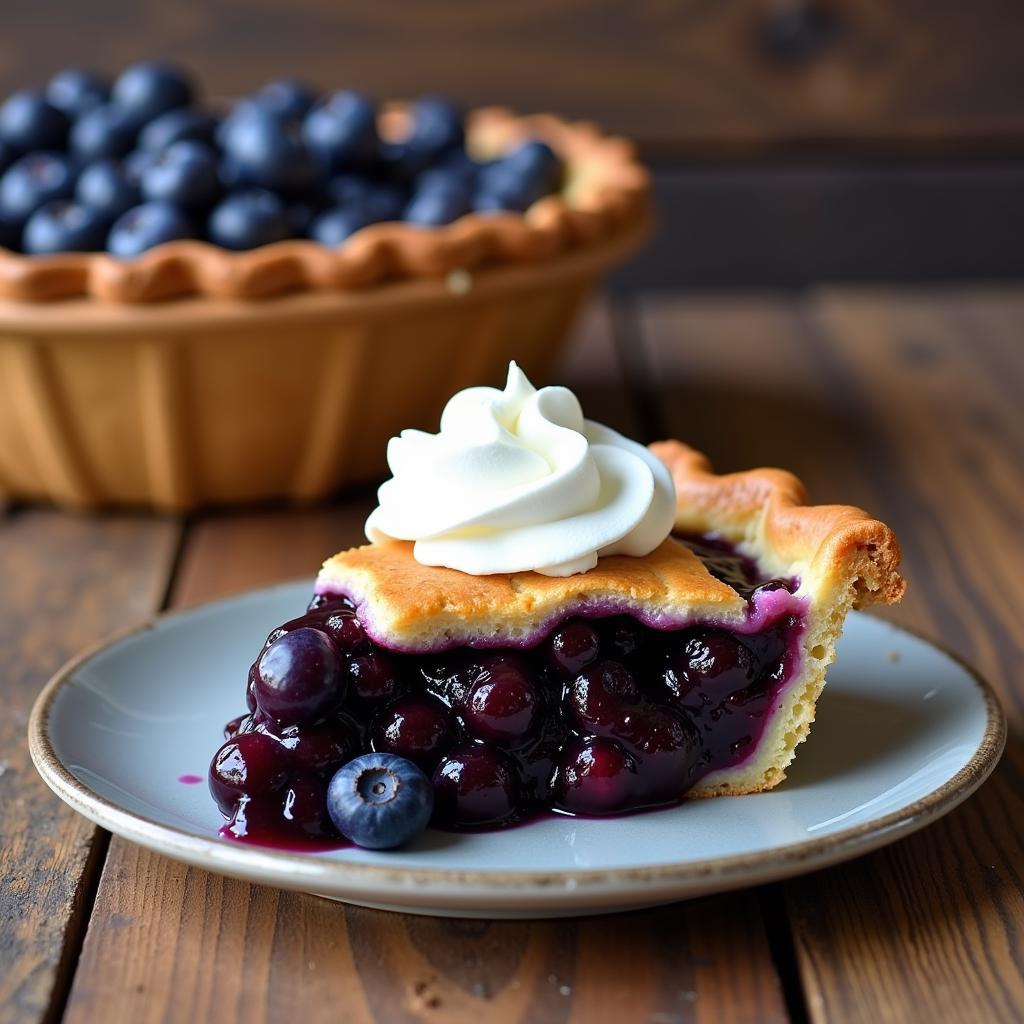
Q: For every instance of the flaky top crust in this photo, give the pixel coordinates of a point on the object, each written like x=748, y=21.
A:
x=828, y=547
x=606, y=194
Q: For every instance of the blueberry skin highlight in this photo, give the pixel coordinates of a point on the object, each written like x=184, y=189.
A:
x=380, y=801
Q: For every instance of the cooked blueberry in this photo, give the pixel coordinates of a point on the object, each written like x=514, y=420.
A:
x=475, y=785
x=304, y=806
x=342, y=625
x=417, y=728
x=145, y=226
x=380, y=801
x=574, y=646
x=621, y=636
x=328, y=602
x=597, y=776
x=28, y=121
x=64, y=226
x=334, y=226
x=178, y=126
x=34, y=180
x=103, y=131
x=76, y=90
x=236, y=726
x=299, y=677
x=322, y=748
x=437, y=207
x=251, y=764
x=185, y=173
x=249, y=219
x=104, y=186
x=374, y=677
x=287, y=97
x=502, y=706
x=342, y=131
x=151, y=88
x=712, y=664
x=436, y=125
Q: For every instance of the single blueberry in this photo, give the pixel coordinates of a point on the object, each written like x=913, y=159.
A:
x=145, y=226
x=151, y=88
x=436, y=125
x=459, y=164
x=64, y=226
x=104, y=131
x=348, y=189
x=288, y=97
x=33, y=180
x=334, y=226
x=536, y=162
x=135, y=164
x=270, y=152
x=380, y=801
x=105, y=187
x=28, y=121
x=245, y=220
x=441, y=179
x=437, y=207
x=185, y=173
x=76, y=90
x=342, y=131
x=176, y=126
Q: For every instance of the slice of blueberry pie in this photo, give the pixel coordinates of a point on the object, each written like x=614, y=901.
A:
x=551, y=617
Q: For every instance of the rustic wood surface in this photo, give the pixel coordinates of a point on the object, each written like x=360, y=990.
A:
x=685, y=78
x=906, y=402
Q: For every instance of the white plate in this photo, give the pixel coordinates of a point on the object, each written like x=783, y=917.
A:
x=904, y=733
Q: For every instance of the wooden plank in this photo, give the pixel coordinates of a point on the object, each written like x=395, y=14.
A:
x=170, y=943
x=909, y=405
x=682, y=77
x=66, y=583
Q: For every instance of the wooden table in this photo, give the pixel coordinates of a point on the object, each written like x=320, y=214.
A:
x=907, y=402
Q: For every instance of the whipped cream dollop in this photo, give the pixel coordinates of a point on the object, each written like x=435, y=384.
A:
x=518, y=480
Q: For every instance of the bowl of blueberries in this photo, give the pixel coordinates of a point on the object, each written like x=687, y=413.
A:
x=207, y=302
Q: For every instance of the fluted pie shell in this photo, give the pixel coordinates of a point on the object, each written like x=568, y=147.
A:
x=841, y=556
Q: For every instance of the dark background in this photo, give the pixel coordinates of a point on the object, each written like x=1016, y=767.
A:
x=792, y=142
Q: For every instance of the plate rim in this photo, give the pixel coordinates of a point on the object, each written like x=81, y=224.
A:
x=295, y=869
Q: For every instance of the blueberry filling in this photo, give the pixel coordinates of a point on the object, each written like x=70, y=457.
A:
x=605, y=715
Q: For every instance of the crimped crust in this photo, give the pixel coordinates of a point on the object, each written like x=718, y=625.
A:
x=606, y=192
x=842, y=557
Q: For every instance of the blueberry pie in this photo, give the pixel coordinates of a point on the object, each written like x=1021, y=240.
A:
x=552, y=618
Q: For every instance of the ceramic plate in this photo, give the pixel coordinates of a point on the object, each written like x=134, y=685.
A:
x=904, y=733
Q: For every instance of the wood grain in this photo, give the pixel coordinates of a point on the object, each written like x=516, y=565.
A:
x=909, y=404
x=66, y=583
x=682, y=77
x=169, y=943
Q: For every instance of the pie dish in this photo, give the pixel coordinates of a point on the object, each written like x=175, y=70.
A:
x=171, y=358
x=693, y=670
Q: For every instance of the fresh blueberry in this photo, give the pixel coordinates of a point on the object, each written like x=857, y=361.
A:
x=536, y=161
x=442, y=179
x=246, y=220
x=184, y=173
x=401, y=163
x=135, y=165
x=334, y=226
x=76, y=90
x=145, y=226
x=342, y=131
x=28, y=121
x=34, y=180
x=269, y=152
x=63, y=226
x=177, y=126
x=301, y=215
x=104, y=131
x=105, y=186
x=461, y=166
x=436, y=207
x=151, y=88
x=380, y=801
x=287, y=97
x=436, y=125
x=385, y=202
x=348, y=189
